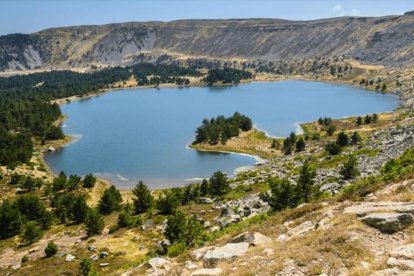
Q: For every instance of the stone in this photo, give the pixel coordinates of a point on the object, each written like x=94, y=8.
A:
x=405, y=251
x=199, y=253
x=384, y=206
x=302, y=228
x=207, y=272
x=253, y=238
x=401, y=263
x=282, y=237
x=206, y=224
x=388, y=223
x=190, y=265
x=157, y=263
x=103, y=254
x=104, y=264
x=69, y=257
x=226, y=212
x=51, y=149
x=214, y=228
x=228, y=251
x=16, y=266
x=91, y=247
x=206, y=200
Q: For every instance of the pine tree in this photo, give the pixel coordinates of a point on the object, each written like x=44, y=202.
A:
x=143, y=200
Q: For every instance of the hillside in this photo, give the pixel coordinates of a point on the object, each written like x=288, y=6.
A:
x=381, y=40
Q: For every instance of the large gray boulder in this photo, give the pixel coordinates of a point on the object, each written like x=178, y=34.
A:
x=385, y=206
x=388, y=222
x=226, y=252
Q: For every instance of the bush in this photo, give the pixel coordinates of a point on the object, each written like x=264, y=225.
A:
x=51, y=249
x=350, y=168
x=283, y=194
x=168, y=202
x=176, y=249
x=89, y=181
x=342, y=140
x=219, y=184
x=333, y=148
x=10, y=219
x=330, y=130
x=25, y=259
x=300, y=144
x=94, y=223
x=31, y=232
x=143, y=200
x=183, y=230
x=110, y=201
x=85, y=268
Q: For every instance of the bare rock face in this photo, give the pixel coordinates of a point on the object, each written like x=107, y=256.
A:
x=383, y=40
x=371, y=207
x=402, y=258
x=253, y=238
x=226, y=252
x=388, y=223
x=388, y=217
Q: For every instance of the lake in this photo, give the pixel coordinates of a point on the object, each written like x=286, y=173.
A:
x=142, y=134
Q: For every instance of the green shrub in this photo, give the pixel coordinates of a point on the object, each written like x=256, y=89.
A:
x=176, y=249
x=51, y=249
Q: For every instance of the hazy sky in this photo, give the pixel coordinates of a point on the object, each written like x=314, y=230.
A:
x=27, y=16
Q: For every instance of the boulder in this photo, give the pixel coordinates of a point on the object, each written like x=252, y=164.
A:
x=104, y=264
x=94, y=257
x=103, y=254
x=405, y=251
x=388, y=222
x=384, y=206
x=190, y=265
x=157, y=263
x=302, y=228
x=401, y=263
x=228, y=251
x=206, y=200
x=69, y=257
x=252, y=238
x=207, y=272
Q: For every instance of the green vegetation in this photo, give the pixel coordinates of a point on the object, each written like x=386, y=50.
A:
x=221, y=129
x=110, y=201
x=285, y=195
x=94, y=222
x=89, y=181
x=51, y=249
x=393, y=170
x=227, y=75
x=143, y=200
x=182, y=229
x=350, y=168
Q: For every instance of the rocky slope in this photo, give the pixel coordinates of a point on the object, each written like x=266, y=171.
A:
x=382, y=40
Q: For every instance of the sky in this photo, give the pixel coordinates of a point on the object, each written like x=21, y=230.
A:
x=26, y=16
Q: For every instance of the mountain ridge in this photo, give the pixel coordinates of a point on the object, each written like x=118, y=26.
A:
x=383, y=40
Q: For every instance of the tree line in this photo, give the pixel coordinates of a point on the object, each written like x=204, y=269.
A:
x=26, y=110
x=227, y=76
x=221, y=129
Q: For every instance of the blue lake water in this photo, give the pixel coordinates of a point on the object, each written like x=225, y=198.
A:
x=142, y=134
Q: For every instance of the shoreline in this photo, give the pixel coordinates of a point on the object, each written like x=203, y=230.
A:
x=69, y=139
